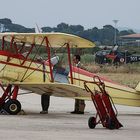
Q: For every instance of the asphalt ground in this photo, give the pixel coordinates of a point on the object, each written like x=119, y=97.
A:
x=59, y=124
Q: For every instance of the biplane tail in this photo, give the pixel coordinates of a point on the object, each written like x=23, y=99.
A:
x=138, y=87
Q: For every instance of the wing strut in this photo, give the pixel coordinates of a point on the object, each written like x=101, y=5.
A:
x=69, y=59
x=49, y=58
x=3, y=42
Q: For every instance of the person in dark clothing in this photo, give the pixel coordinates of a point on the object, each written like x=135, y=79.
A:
x=79, y=104
x=45, y=102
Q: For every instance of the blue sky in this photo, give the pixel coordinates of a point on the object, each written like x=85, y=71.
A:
x=89, y=13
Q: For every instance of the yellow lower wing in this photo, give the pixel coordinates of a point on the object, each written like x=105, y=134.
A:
x=119, y=96
x=57, y=89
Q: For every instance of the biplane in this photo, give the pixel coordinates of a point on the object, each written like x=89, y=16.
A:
x=22, y=65
x=117, y=57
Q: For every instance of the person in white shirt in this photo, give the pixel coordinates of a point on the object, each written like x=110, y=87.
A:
x=45, y=99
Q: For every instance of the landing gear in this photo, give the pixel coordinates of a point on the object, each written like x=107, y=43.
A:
x=12, y=106
x=8, y=101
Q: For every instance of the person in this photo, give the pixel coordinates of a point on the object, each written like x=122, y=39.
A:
x=45, y=103
x=79, y=104
x=45, y=98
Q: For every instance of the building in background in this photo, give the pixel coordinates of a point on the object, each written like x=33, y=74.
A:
x=130, y=40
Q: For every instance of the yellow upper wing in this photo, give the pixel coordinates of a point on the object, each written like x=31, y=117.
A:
x=55, y=39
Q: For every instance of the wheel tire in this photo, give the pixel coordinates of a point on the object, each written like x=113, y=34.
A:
x=92, y=122
x=12, y=107
x=122, y=60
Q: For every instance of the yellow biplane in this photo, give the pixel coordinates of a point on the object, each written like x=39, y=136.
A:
x=22, y=66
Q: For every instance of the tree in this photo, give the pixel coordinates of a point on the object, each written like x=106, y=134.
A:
x=103, y=36
x=47, y=29
x=126, y=32
x=5, y=21
x=62, y=26
x=76, y=28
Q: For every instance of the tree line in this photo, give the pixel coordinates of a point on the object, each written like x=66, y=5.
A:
x=103, y=36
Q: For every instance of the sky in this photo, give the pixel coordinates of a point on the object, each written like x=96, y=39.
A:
x=88, y=13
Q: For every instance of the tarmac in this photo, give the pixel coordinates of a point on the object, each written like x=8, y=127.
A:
x=59, y=124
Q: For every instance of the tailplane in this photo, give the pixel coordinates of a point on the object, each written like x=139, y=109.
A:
x=138, y=87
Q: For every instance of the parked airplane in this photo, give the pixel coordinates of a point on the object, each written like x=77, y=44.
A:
x=115, y=57
x=22, y=66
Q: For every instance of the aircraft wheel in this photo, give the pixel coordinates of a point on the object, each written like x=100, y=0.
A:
x=12, y=107
x=122, y=60
x=92, y=122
